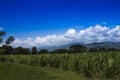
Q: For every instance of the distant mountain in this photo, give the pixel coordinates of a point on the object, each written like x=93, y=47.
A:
x=115, y=45
x=51, y=48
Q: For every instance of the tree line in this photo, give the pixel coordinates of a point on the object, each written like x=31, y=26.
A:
x=74, y=49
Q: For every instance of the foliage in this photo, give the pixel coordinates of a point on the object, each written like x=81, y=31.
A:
x=7, y=49
x=2, y=33
x=43, y=51
x=78, y=48
x=1, y=40
x=34, y=50
x=60, y=51
x=105, y=65
x=21, y=50
x=10, y=40
x=2, y=51
x=13, y=71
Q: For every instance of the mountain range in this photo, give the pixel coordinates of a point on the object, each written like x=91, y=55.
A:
x=98, y=45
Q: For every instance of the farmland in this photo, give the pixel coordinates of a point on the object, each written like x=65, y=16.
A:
x=101, y=65
x=14, y=71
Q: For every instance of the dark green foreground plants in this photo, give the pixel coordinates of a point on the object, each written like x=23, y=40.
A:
x=91, y=65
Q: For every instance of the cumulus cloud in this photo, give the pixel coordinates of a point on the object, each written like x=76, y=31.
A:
x=24, y=43
x=91, y=34
x=71, y=32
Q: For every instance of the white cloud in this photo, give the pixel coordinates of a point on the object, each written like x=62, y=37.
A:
x=24, y=43
x=94, y=34
x=91, y=34
x=71, y=32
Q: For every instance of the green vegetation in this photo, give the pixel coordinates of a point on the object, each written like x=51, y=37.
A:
x=91, y=65
x=14, y=71
x=5, y=48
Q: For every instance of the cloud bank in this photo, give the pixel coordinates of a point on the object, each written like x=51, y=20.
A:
x=91, y=34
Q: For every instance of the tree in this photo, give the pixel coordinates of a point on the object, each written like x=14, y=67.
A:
x=2, y=51
x=21, y=50
x=60, y=51
x=102, y=49
x=26, y=51
x=8, y=49
x=93, y=50
x=10, y=40
x=42, y=51
x=113, y=49
x=1, y=40
x=34, y=50
x=78, y=48
x=2, y=33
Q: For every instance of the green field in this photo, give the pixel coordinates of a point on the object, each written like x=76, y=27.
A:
x=13, y=71
x=94, y=66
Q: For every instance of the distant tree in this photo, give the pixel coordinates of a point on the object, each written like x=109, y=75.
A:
x=102, y=49
x=34, y=50
x=93, y=50
x=18, y=50
x=26, y=51
x=113, y=49
x=7, y=49
x=9, y=40
x=78, y=48
x=21, y=50
x=60, y=51
x=42, y=51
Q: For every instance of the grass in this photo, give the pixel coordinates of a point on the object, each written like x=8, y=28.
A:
x=95, y=66
x=14, y=71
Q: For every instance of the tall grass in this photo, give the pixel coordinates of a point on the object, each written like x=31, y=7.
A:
x=90, y=64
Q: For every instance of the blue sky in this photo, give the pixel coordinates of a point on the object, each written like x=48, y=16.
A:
x=33, y=18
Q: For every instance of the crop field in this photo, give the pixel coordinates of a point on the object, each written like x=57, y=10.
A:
x=91, y=65
x=15, y=71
